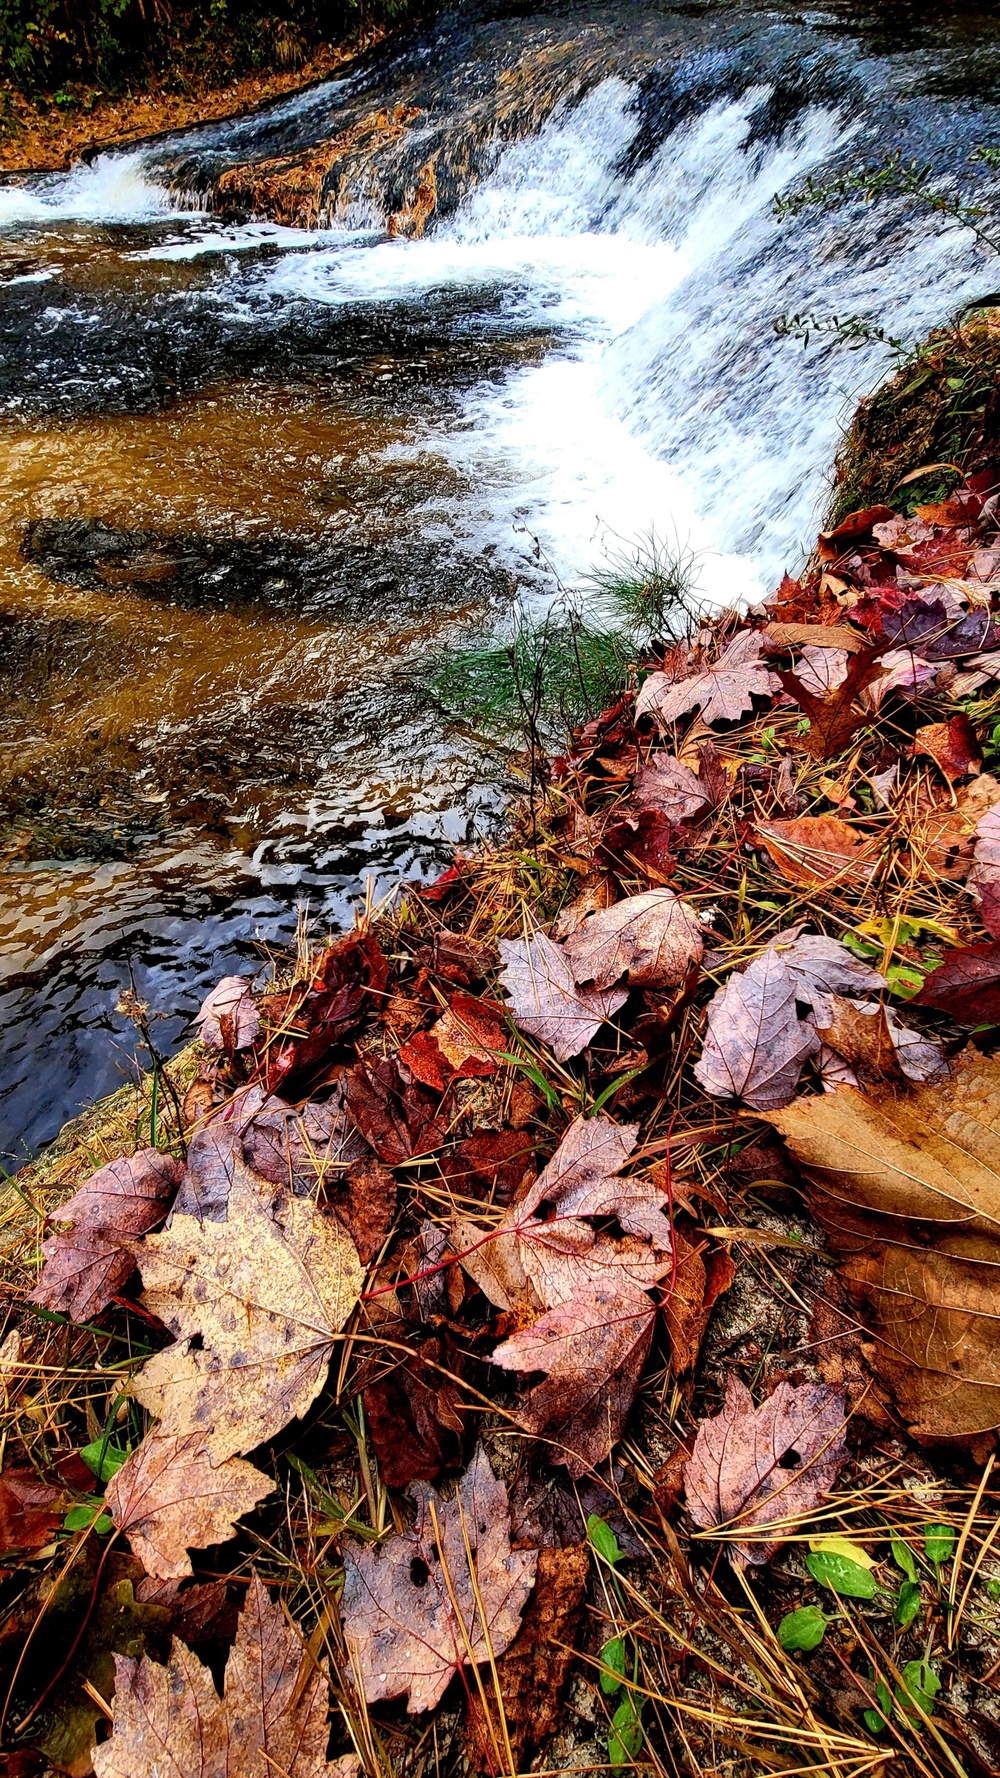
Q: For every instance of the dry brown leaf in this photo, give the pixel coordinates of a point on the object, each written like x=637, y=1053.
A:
x=228, y=1018
x=861, y=1035
x=256, y=1303
x=651, y=937
x=170, y=1719
x=168, y=1499
x=30, y=1510
x=838, y=636
x=699, y=1279
x=415, y=1612
x=591, y=1347
x=545, y=1000
x=758, y=1467
x=724, y=692
x=671, y=787
x=756, y=1044
x=814, y=850
x=534, y=1671
x=90, y=1264
x=943, y=834
x=908, y=1191
x=951, y=745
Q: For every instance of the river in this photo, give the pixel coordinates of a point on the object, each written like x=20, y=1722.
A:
x=254, y=475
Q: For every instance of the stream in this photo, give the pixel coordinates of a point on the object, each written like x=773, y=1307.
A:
x=267, y=448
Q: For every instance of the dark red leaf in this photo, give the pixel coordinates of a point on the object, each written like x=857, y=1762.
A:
x=30, y=1511
x=393, y=1112
x=411, y=1418
x=492, y=1163
x=349, y=983
x=925, y=626
x=832, y=720
x=967, y=985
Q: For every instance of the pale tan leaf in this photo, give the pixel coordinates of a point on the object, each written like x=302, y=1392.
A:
x=414, y=1613
x=754, y=1467
x=228, y=1017
x=671, y=787
x=168, y=1499
x=266, y=1293
x=169, y=1721
x=724, y=692
x=545, y=999
x=653, y=938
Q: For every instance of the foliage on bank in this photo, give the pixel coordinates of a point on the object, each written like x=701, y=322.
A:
x=50, y=47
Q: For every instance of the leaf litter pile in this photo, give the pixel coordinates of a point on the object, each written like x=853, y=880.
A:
x=556, y=1326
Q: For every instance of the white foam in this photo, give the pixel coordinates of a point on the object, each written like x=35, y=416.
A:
x=114, y=188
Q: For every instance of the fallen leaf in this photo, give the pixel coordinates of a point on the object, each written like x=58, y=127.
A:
x=271, y=1719
x=850, y=529
x=418, y=1610
x=821, y=670
x=396, y=1114
x=861, y=1035
x=492, y=1164
x=814, y=850
x=836, y=636
x=899, y=534
x=208, y=1175
x=927, y=628
x=198, y=1614
x=902, y=672
x=348, y=984
x=592, y=1348
x=696, y=1286
x=652, y=938
x=724, y=692
x=758, y=1467
x=92, y=1262
x=30, y=1511
x=463, y=1044
x=821, y=967
x=228, y=1018
x=641, y=845
x=535, y=1668
x=908, y=1191
x=255, y=1303
x=168, y=1499
x=756, y=1044
x=952, y=745
x=984, y=877
x=832, y=719
x=672, y=788
x=966, y=985
x=300, y=1148
x=597, y=891
x=545, y=1000
x=411, y=1416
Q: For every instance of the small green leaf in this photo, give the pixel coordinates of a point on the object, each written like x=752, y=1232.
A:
x=939, y=1541
x=993, y=1590
x=902, y=1555
x=919, y=1689
x=625, y=1737
x=613, y=1656
x=78, y=1517
x=841, y=1575
x=104, y=1524
x=802, y=1629
x=908, y=1604
x=105, y=1460
x=603, y=1539
x=874, y=1720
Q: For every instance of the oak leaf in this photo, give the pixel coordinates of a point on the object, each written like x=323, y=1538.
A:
x=813, y=850
x=832, y=718
x=255, y=1303
x=724, y=692
x=908, y=1191
x=445, y=1594
x=756, y=1044
x=652, y=938
x=545, y=1000
x=228, y=1018
x=90, y=1263
x=764, y=1468
x=171, y=1720
x=672, y=788
x=168, y=1498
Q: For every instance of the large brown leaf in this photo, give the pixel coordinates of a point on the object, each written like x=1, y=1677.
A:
x=168, y=1499
x=88, y=1265
x=813, y=850
x=753, y=1468
x=393, y=1111
x=256, y=1303
x=908, y=1190
x=545, y=999
x=170, y=1722
x=651, y=938
x=724, y=692
x=415, y=1612
x=756, y=1044
x=833, y=719
x=592, y=1348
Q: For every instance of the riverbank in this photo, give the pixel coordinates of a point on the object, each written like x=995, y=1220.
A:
x=42, y=136
x=741, y=934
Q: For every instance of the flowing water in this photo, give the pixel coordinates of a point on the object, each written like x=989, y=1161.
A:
x=255, y=474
